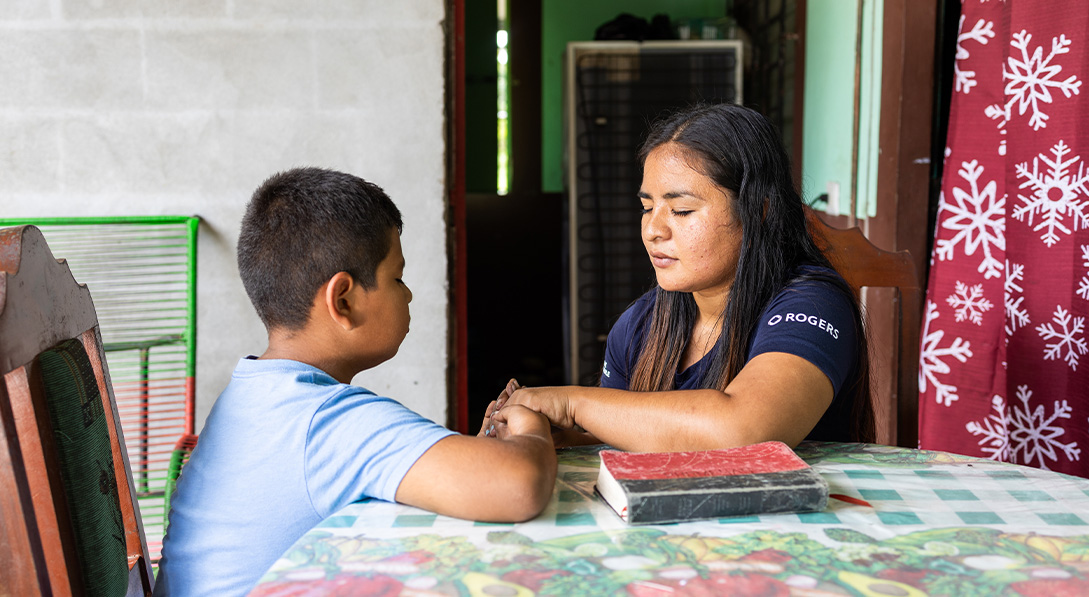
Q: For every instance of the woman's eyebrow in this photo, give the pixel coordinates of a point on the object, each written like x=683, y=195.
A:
x=669, y=195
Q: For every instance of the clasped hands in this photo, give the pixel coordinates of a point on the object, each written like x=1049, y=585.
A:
x=507, y=410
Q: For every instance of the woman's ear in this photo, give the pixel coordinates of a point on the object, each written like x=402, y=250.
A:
x=340, y=298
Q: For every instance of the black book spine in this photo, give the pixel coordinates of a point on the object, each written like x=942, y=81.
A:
x=662, y=501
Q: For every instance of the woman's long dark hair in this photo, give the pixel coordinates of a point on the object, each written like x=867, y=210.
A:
x=741, y=152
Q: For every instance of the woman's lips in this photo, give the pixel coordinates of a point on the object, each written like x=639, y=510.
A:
x=661, y=261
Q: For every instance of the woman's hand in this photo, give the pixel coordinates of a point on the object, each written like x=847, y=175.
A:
x=552, y=402
x=565, y=438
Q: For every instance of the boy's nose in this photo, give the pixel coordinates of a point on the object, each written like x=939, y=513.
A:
x=409, y=292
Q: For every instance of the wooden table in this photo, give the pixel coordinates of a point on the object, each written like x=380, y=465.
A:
x=900, y=522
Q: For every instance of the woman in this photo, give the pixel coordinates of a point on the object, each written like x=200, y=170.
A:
x=750, y=334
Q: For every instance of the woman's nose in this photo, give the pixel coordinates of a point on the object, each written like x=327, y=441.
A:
x=654, y=225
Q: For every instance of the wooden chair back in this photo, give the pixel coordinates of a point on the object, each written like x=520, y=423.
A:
x=888, y=287
x=143, y=273
x=69, y=523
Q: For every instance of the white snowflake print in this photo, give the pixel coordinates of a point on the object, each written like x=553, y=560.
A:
x=1055, y=194
x=1064, y=337
x=977, y=217
x=931, y=364
x=995, y=429
x=969, y=303
x=965, y=80
x=1031, y=80
x=1016, y=316
x=1024, y=435
x=1083, y=284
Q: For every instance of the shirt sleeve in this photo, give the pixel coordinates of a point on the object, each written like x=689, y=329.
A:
x=614, y=371
x=813, y=320
x=362, y=445
x=624, y=343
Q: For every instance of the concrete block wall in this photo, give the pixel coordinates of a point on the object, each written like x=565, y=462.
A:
x=142, y=107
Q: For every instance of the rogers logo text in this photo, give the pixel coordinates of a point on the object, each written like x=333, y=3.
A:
x=804, y=318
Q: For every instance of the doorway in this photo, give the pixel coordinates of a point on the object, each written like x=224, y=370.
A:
x=515, y=274
x=509, y=294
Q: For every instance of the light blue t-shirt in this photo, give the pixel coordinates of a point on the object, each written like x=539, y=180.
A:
x=285, y=446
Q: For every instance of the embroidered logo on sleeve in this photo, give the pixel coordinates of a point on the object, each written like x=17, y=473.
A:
x=812, y=320
x=605, y=369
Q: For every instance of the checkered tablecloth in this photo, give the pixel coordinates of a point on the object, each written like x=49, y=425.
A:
x=901, y=522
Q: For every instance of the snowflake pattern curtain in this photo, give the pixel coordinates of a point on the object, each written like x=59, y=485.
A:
x=1004, y=372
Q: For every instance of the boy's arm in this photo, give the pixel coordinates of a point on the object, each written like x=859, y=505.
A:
x=509, y=479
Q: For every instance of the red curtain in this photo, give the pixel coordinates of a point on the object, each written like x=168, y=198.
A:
x=1004, y=362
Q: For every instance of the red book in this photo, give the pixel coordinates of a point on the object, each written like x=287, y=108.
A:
x=660, y=487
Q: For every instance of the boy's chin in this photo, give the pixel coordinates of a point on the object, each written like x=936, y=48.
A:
x=371, y=362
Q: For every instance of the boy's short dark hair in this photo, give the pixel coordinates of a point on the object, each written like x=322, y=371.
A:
x=301, y=228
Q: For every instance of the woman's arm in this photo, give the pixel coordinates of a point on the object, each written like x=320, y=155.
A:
x=564, y=438
x=776, y=396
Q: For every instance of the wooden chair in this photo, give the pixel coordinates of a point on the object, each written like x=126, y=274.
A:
x=892, y=308
x=69, y=523
x=143, y=273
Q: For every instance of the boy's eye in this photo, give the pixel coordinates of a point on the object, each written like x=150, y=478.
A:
x=681, y=212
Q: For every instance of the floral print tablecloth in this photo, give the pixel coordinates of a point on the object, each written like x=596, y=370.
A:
x=900, y=522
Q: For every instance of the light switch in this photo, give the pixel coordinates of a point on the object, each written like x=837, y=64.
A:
x=833, y=197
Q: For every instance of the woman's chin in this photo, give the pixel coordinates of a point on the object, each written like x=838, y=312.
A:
x=673, y=286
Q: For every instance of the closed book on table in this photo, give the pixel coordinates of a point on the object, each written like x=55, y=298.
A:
x=764, y=478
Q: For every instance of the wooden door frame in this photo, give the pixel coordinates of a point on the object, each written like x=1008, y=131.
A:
x=907, y=104
x=457, y=371
x=909, y=33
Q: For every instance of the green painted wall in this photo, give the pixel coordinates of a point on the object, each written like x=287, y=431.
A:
x=833, y=45
x=828, y=122
x=575, y=20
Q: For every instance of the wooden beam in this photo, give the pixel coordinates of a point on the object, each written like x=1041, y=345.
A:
x=907, y=84
x=457, y=376
x=525, y=96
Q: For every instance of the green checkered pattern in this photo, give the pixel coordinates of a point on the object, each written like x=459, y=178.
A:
x=904, y=493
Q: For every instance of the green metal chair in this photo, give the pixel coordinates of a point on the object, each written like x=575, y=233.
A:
x=178, y=458
x=141, y=272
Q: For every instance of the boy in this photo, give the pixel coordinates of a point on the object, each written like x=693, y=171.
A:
x=289, y=441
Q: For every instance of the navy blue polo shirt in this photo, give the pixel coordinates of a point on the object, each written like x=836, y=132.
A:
x=812, y=319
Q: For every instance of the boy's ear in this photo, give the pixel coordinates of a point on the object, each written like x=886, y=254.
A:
x=340, y=300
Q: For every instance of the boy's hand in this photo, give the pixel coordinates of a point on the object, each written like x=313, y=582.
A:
x=487, y=429
x=519, y=420
x=487, y=426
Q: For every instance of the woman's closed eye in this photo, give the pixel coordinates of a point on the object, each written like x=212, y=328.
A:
x=677, y=212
